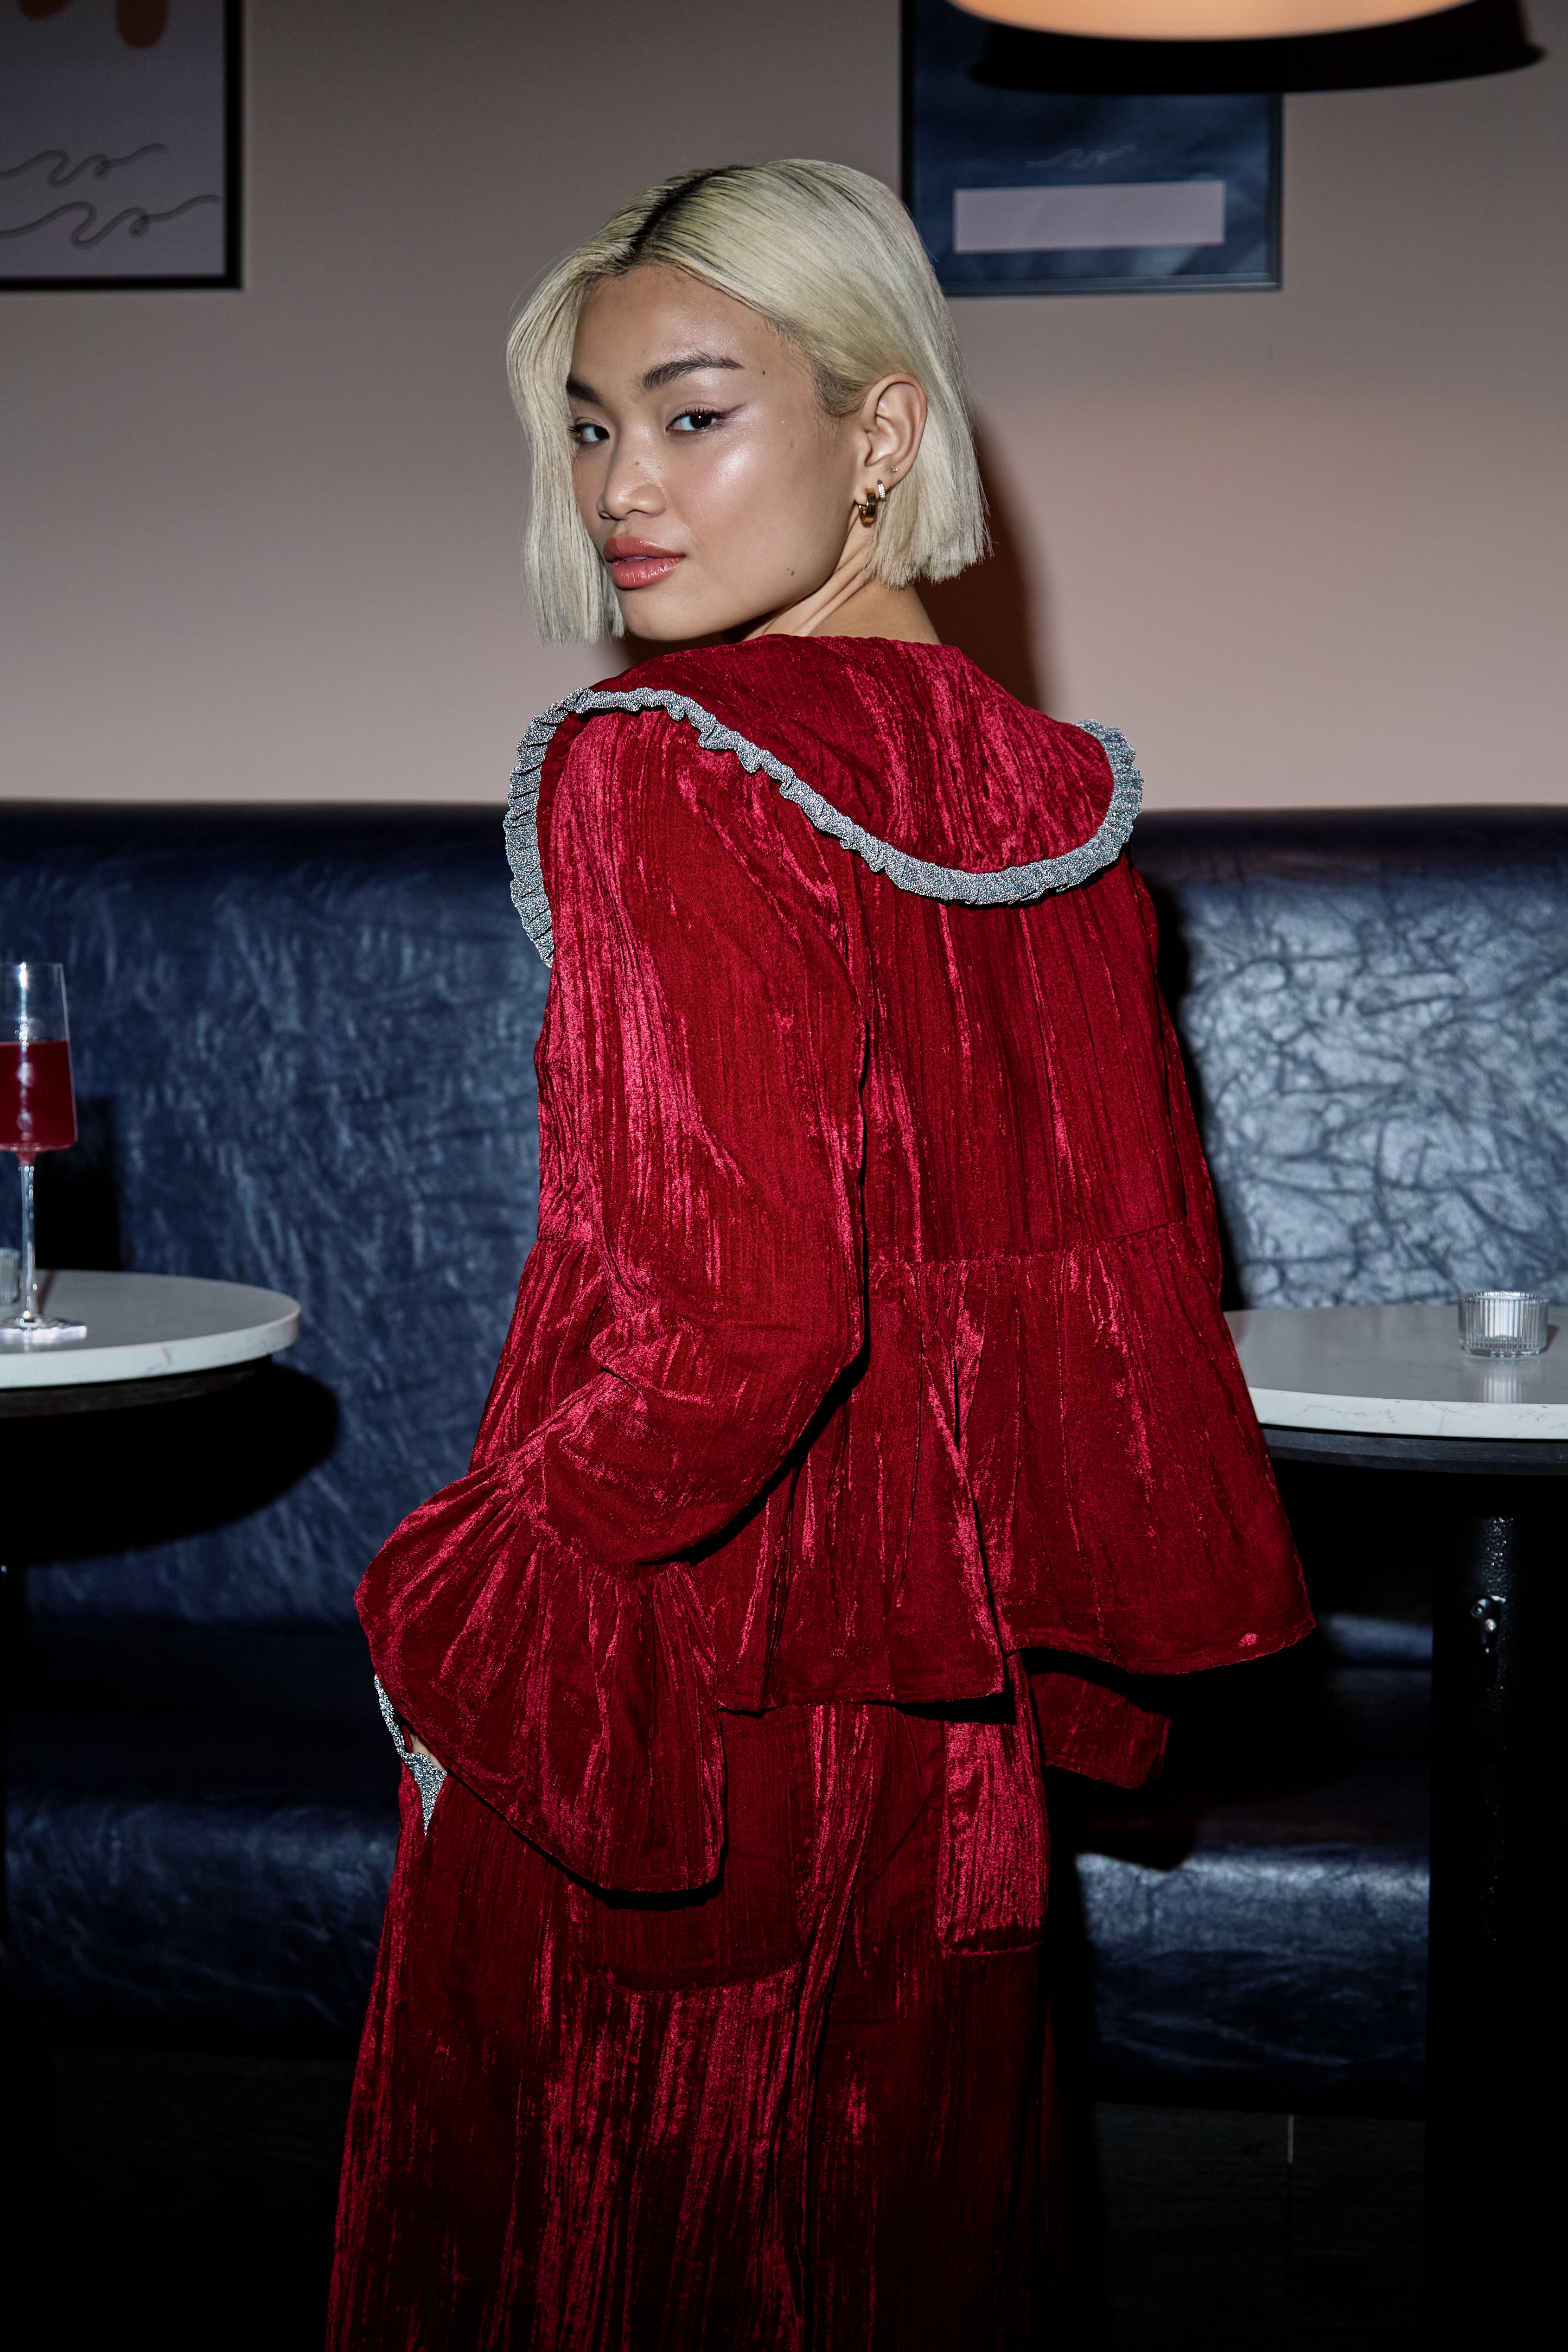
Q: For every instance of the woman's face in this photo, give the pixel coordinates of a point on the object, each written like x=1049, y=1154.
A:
x=713, y=484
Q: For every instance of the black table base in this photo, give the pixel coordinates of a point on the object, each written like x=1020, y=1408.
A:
x=1493, y=2032
x=49, y=1403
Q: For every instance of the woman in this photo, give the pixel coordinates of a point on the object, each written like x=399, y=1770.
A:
x=867, y=1407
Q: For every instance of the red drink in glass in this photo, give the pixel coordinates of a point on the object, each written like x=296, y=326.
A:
x=38, y=1113
x=38, y=1105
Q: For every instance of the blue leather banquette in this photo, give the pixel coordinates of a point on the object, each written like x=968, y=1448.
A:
x=303, y=1042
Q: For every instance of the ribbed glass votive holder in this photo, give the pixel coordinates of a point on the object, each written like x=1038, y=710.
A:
x=1502, y=1322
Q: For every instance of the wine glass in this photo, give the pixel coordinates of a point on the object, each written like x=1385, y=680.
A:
x=38, y=1113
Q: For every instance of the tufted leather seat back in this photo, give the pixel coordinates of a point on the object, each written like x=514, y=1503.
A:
x=1374, y=1007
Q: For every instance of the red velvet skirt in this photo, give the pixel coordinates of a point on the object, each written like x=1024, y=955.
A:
x=800, y=2106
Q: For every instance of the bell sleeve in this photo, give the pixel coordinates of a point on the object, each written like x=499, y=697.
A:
x=540, y=1622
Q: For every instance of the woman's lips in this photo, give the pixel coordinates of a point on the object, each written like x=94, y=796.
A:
x=639, y=563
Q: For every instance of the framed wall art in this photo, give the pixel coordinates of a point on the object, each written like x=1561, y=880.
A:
x=1022, y=190
x=118, y=144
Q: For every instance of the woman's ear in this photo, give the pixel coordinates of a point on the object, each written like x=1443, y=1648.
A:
x=894, y=418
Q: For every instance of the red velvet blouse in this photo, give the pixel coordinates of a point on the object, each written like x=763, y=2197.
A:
x=872, y=1331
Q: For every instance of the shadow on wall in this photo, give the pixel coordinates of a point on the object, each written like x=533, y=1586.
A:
x=993, y=612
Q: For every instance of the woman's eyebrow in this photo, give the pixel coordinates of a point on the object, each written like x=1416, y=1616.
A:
x=688, y=363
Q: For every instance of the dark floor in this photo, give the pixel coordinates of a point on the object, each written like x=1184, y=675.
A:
x=186, y=2200
x=183, y=2201
x=1235, y=2232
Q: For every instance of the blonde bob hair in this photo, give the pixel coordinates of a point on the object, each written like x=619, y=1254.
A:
x=831, y=261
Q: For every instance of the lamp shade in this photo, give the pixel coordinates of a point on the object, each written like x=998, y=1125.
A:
x=1197, y=20
x=1480, y=36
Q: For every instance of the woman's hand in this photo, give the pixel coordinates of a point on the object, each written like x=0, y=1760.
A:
x=419, y=1749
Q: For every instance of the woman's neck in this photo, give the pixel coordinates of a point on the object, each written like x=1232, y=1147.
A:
x=852, y=603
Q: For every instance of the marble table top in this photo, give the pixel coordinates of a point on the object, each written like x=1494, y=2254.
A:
x=143, y=1327
x=1396, y=1372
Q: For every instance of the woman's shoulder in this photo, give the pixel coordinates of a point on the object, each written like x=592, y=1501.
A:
x=665, y=736
x=642, y=776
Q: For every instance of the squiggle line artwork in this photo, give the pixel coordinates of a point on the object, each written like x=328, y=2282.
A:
x=85, y=234
x=64, y=170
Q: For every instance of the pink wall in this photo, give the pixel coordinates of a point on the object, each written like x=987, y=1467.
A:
x=1304, y=547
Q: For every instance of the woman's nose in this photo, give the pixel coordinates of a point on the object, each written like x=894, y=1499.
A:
x=628, y=487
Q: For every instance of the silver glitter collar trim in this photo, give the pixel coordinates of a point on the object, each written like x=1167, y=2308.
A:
x=1008, y=886
x=426, y=1774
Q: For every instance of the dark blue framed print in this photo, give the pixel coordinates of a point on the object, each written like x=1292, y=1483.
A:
x=1028, y=190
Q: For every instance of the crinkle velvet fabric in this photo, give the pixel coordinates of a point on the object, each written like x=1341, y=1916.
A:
x=872, y=1331
x=807, y=2107
x=871, y=1340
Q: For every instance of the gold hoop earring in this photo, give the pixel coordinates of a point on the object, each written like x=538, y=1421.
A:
x=871, y=505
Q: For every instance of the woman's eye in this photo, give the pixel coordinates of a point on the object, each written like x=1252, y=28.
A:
x=587, y=435
x=695, y=420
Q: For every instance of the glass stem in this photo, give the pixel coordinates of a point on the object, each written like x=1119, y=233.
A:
x=29, y=1305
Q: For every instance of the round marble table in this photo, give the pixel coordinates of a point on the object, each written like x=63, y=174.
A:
x=1391, y=1384
x=151, y=1339
x=1382, y=1389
